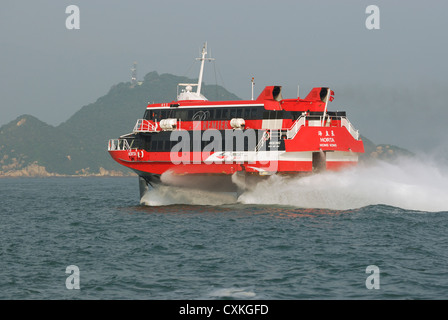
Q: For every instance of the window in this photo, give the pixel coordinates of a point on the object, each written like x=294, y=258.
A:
x=253, y=113
x=150, y=114
x=182, y=115
x=153, y=145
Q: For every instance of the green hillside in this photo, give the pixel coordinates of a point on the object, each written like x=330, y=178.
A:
x=386, y=152
x=27, y=140
x=79, y=145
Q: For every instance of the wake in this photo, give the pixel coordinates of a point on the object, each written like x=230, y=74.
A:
x=170, y=195
x=408, y=183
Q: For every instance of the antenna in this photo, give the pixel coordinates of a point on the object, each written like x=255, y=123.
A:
x=134, y=74
x=202, y=59
x=187, y=93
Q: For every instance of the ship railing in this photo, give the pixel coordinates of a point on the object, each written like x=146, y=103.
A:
x=144, y=125
x=118, y=145
x=291, y=133
x=273, y=135
x=320, y=122
x=350, y=128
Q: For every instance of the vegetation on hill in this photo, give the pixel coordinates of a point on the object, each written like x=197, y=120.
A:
x=386, y=152
x=79, y=145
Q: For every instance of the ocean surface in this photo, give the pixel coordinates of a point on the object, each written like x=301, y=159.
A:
x=317, y=237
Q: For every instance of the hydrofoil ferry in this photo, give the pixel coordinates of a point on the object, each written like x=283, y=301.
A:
x=196, y=143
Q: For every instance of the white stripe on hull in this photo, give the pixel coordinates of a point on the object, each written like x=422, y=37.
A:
x=253, y=156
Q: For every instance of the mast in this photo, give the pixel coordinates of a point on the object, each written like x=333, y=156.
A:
x=202, y=59
x=326, y=104
x=253, y=84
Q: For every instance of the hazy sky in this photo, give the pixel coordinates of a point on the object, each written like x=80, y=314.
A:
x=392, y=81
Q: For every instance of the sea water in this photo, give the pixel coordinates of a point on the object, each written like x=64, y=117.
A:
x=316, y=237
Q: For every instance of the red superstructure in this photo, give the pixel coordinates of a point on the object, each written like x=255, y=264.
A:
x=199, y=143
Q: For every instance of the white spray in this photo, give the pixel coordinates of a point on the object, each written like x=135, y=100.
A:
x=169, y=195
x=407, y=183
